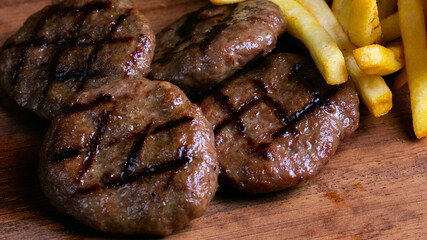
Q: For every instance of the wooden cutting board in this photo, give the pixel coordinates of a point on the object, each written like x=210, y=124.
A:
x=375, y=187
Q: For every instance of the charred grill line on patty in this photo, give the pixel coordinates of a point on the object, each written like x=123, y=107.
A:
x=288, y=121
x=34, y=41
x=72, y=46
x=100, y=100
x=93, y=149
x=171, y=165
x=125, y=176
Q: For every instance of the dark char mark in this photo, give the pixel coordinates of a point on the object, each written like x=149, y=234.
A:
x=233, y=116
x=101, y=99
x=127, y=177
x=65, y=153
x=211, y=35
x=278, y=110
x=44, y=17
x=190, y=23
x=172, y=165
x=54, y=61
x=172, y=124
x=92, y=57
x=288, y=122
x=142, y=42
x=156, y=169
x=217, y=29
x=94, y=143
x=165, y=127
x=133, y=154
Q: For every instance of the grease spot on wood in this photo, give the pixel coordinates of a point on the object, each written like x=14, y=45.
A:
x=333, y=196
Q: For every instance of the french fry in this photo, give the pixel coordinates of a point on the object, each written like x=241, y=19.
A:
x=390, y=27
x=397, y=47
x=327, y=56
x=373, y=90
x=400, y=80
x=221, y=2
x=341, y=10
x=364, y=26
x=378, y=60
x=412, y=27
x=386, y=8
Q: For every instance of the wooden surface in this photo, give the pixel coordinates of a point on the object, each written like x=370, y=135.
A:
x=375, y=187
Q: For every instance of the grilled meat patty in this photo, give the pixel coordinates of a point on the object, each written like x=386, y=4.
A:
x=207, y=46
x=71, y=46
x=133, y=157
x=278, y=123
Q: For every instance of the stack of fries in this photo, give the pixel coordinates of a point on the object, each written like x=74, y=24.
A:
x=365, y=40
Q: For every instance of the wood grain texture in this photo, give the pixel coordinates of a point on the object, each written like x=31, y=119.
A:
x=375, y=187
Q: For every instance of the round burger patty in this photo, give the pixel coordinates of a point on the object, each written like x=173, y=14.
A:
x=207, y=46
x=71, y=46
x=133, y=157
x=278, y=123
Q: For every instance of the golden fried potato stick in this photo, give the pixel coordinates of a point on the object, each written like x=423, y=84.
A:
x=222, y=2
x=400, y=80
x=390, y=27
x=341, y=10
x=412, y=27
x=373, y=90
x=364, y=26
x=386, y=8
x=378, y=60
x=327, y=56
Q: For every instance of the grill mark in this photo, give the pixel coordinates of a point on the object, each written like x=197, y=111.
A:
x=185, y=31
x=53, y=65
x=288, y=122
x=142, y=43
x=71, y=42
x=182, y=159
x=133, y=154
x=235, y=115
x=92, y=56
x=278, y=110
x=65, y=153
x=211, y=35
x=190, y=23
x=164, y=127
x=182, y=156
x=126, y=177
x=172, y=124
x=234, y=118
x=217, y=29
x=101, y=99
x=45, y=16
x=298, y=71
x=317, y=102
x=94, y=144
x=65, y=76
x=87, y=191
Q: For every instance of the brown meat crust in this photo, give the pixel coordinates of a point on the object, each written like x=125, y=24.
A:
x=278, y=123
x=207, y=46
x=133, y=157
x=71, y=46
